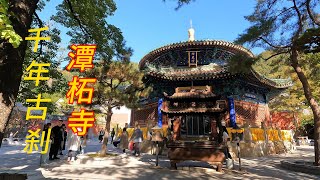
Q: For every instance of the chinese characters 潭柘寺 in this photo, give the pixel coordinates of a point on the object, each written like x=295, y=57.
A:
x=81, y=120
x=80, y=88
x=83, y=58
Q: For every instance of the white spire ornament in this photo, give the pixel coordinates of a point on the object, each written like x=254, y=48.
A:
x=191, y=32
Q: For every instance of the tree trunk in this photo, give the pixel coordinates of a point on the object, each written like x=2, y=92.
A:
x=11, y=59
x=106, y=134
x=312, y=102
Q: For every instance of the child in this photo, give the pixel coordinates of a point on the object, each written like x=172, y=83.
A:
x=124, y=140
x=83, y=143
x=73, y=145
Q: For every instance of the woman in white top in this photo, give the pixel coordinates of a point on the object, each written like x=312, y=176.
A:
x=225, y=137
x=73, y=145
x=137, y=138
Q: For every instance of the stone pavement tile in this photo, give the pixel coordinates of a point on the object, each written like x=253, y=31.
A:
x=125, y=166
x=269, y=166
x=131, y=173
x=301, y=166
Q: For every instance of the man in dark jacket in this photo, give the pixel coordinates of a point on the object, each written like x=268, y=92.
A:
x=65, y=137
x=45, y=129
x=57, y=139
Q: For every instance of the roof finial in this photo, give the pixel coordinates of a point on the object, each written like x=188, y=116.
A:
x=191, y=32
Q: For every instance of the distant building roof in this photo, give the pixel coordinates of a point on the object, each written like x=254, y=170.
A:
x=21, y=107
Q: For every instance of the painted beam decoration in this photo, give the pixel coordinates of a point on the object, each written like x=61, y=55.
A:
x=81, y=59
x=37, y=69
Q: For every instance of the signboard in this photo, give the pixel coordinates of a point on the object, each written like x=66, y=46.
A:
x=193, y=58
x=252, y=96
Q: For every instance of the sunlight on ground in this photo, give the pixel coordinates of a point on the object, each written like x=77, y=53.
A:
x=19, y=167
x=101, y=155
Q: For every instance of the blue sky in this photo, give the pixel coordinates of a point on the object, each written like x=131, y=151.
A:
x=150, y=24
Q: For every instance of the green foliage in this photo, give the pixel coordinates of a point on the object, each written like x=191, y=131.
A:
x=293, y=98
x=309, y=41
x=56, y=86
x=88, y=25
x=273, y=21
x=121, y=85
x=6, y=29
x=288, y=29
x=240, y=64
x=305, y=121
x=260, y=28
x=182, y=2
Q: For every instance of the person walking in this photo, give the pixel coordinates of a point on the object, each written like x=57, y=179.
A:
x=62, y=129
x=72, y=145
x=83, y=143
x=225, y=137
x=44, y=157
x=101, y=134
x=57, y=138
x=137, y=138
x=124, y=140
x=65, y=133
x=112, y=135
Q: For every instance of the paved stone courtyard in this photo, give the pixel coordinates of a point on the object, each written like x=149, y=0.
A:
x=125, y=166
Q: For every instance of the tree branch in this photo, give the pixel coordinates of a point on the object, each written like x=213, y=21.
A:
x=284, y=11
x=271, y=4
x=299, y=20
x=120, y=81
x=77, y=19
x=40, y=26
x=314, y=20
x=274, y=55
x=274, y=46
x=115, y=105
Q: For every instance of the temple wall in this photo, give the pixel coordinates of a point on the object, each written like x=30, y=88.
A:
x=143, y=115
x=261, y=142
x=252, y=113
x=283, y=120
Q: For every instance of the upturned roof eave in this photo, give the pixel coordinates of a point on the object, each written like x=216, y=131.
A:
x=223, y=74
x=186, y=44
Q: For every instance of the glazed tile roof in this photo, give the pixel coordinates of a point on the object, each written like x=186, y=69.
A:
x=211, y=71
x=204, y=72
x=277, y=83
x=203, y=44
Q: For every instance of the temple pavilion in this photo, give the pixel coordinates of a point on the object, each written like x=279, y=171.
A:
x=195, y=94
